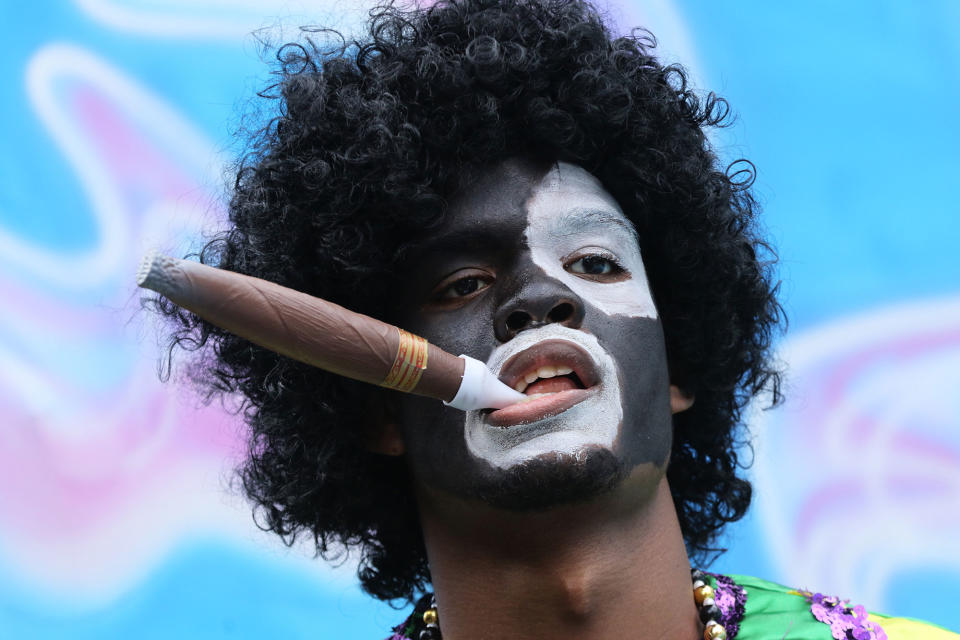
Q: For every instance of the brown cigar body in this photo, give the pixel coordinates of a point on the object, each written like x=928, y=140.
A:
x=303, y=327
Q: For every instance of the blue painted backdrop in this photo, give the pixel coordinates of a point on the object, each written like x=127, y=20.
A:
x=117, y=518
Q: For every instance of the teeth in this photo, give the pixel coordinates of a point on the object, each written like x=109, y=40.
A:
x=541, y=373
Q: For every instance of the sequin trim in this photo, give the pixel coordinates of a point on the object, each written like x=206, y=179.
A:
x=410, y=628
x=731, y=598
x=846, y=622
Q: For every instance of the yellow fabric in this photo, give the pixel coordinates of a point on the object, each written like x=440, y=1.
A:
x=907, y=629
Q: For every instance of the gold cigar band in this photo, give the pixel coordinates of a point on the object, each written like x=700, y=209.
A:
x=410, y=363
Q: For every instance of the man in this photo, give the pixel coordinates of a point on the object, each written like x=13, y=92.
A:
x=513, y=183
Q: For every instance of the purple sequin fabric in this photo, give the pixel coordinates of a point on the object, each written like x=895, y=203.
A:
x=731, y=599
x=846, y=622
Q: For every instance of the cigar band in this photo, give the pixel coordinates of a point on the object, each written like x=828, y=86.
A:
x=410, y=363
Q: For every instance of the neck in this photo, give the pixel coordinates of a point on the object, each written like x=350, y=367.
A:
x=588, y=570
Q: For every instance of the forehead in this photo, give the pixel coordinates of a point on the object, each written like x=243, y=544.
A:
x=568, y=200
x=566, y=182
x=518, y=192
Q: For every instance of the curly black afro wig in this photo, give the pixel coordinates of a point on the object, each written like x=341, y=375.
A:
x=368, y=142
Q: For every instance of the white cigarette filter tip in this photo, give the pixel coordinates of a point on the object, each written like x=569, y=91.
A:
x=480, y=389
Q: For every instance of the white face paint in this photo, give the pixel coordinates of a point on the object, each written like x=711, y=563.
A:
x=593, y=422
x=570, y=215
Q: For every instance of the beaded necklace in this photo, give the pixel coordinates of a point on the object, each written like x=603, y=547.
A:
x=703, y=595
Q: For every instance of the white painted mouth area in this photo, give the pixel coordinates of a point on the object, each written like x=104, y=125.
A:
x=590, y=423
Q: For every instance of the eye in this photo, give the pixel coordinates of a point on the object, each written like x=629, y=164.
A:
x=461, y=285
x=601, y=267
x=593, y=265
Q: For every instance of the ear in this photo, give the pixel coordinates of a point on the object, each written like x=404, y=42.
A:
x=679, y=400
x=383, y=434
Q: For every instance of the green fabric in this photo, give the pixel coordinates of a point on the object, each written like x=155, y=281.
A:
x=775, y=612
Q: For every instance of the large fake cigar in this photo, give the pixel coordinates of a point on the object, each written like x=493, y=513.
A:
x=324, y=334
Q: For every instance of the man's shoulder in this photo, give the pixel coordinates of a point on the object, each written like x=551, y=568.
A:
x=773, y=610
x=756, y=609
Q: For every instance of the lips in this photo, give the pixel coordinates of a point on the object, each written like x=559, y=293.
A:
x=557, y=374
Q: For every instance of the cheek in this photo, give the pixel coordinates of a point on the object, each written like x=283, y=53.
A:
x=466, y=331
x=627, y=298
x=433, y=433
x=637, y=345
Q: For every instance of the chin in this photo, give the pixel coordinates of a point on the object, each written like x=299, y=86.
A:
x=553, y=480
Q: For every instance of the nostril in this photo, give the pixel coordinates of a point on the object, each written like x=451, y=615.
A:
x=561, y=312
x=518, y=320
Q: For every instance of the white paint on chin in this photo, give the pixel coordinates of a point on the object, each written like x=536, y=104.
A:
x=570, y=211
x=593, y=422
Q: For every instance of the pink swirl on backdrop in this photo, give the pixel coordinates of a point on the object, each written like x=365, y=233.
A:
x=858, y=475
x=103, y=467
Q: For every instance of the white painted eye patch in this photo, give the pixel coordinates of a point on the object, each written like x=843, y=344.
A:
x=570, y=211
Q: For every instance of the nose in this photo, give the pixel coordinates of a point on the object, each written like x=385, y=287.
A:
x=538, y=302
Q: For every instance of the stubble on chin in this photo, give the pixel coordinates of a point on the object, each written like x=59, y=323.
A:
x=553, y=480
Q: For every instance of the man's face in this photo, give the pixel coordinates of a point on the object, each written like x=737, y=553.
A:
x=536, y=271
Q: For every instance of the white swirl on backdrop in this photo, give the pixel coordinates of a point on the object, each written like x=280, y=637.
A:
x=858, y=475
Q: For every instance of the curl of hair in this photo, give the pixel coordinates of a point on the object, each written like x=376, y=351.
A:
x=370, y=139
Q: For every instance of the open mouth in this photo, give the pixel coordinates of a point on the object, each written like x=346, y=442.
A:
x=554, y=374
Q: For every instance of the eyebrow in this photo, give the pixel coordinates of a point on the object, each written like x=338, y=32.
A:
x=574, y=220
x=437, y=248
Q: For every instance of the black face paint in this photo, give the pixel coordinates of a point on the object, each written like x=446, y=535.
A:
x=481, y=282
